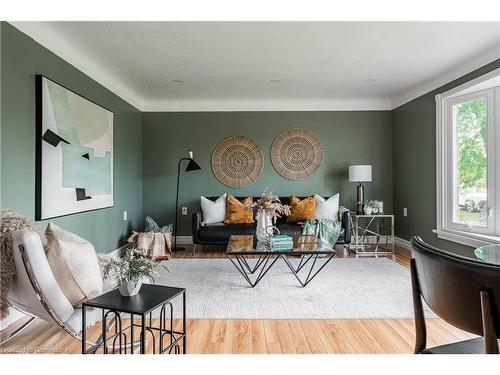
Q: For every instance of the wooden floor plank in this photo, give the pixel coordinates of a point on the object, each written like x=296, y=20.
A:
x=285, y=337
x=328, y=341
x=298, y=337
x=258, y=337
x=460, y=334
x=218, y=332
x=271, y=337
x=406, y=335
x=339, y=336
x=361, y=339
x=394, y=336
x=381, y=337
x=313, y=337
x=242, y=340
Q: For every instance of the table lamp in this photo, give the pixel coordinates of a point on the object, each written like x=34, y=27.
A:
x=360, y=173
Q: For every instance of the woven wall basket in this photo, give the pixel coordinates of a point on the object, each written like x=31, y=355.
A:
x=237, y=161
x=296, y=154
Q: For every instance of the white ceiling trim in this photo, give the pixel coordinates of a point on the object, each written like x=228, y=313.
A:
x=368, y=104
x=52, y=41
x=450, y=76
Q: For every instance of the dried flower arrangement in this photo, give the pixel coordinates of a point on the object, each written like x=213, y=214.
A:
x=270, y=203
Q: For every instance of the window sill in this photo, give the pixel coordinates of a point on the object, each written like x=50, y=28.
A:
x=466, y=238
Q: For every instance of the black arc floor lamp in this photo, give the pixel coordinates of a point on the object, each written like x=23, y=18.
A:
x=192, y=166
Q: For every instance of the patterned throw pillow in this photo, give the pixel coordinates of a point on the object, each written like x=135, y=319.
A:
x=239, y=212
x=302, y=210
x=151, y=226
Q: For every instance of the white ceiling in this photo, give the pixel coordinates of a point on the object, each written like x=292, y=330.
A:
x=228, y=66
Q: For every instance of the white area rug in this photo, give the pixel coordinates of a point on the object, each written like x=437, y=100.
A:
x=345, y=288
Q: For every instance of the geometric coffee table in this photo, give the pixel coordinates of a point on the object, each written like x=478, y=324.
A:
x=253, y=259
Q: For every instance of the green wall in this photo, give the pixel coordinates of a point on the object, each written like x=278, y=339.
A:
x=347, y=137
x=21, y=59
x=414, y=150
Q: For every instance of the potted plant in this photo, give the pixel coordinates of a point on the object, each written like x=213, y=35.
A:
x=269, y=208
x=131, y=269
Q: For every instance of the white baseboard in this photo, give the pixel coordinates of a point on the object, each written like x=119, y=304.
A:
x=184, y=240
x=402, y=243
x=115, y=254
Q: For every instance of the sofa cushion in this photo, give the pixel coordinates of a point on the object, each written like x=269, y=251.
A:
x=327, y=208
x=213, y=212
x=222, y=232
x=239, y=212
x=302, y=210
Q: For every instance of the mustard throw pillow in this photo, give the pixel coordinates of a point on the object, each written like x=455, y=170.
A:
x=239, y=212
x=302, y=210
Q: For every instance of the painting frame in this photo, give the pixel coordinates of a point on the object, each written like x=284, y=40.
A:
x=39, y=151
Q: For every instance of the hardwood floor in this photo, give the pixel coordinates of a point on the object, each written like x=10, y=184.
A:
x=365, y=336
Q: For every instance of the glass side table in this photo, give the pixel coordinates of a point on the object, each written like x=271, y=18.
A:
x=372, y=234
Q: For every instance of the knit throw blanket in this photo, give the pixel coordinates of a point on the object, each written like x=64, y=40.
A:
x=326, y=230
x=10, y=222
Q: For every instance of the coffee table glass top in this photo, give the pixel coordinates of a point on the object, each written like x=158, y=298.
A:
x=488, y=254
x=245, y=244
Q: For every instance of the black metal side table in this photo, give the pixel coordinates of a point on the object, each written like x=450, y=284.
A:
x=149, y=298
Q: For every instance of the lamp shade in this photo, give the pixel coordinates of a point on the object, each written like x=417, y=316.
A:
x=360, y=173
x=192, y=166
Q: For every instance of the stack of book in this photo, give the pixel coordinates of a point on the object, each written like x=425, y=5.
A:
x=281, y=242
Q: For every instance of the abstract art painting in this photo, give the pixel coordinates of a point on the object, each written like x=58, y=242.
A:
x=74, y=152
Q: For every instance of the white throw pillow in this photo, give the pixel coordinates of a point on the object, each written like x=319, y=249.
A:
x=213, y=212
x=74, y=263
x=327, y=208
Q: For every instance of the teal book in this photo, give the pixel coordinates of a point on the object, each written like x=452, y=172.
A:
x=281, y=238
x=284, y=245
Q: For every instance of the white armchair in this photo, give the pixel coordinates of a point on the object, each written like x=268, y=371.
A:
x=36, y=293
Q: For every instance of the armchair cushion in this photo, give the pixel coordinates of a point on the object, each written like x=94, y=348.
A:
x=21, y=293
x=74, y=263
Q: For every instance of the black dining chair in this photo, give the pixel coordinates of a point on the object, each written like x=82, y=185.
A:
x=462, y=291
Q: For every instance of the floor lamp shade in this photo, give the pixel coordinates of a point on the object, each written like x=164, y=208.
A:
x=360, y=173
x=191, y=166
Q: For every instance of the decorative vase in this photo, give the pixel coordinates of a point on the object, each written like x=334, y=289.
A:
x=264, y=225
x=368, y=210
x=130, y=288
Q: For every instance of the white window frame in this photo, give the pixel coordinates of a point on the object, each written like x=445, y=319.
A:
x=486, y=86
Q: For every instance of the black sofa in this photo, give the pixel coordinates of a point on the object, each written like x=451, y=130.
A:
x=219, y=233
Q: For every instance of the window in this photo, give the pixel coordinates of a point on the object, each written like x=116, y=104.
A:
x=468, y=162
